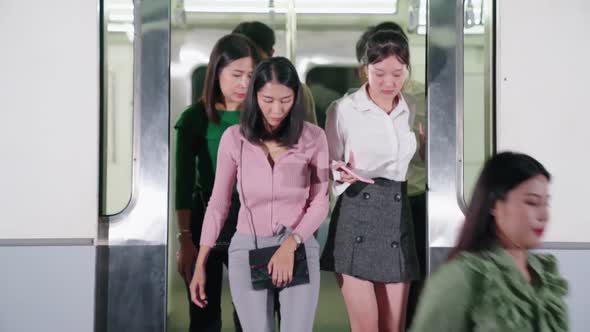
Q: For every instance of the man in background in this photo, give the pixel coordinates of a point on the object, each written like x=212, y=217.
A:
x=264, y=38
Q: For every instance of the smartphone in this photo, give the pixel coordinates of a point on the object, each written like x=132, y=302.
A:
x=340, y=166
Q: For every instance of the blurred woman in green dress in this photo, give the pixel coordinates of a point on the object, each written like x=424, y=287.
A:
x=491, y=281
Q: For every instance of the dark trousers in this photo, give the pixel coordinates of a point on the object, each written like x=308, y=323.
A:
x=418, y=205
x=208, y=319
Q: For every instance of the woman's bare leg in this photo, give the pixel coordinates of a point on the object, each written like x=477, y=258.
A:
x=361, y=303
x=392, y=302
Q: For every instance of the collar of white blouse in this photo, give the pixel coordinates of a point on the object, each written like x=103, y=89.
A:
x=364, y=103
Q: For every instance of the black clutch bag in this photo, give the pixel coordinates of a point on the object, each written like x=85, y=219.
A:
x=260, y=257
x=261, y=279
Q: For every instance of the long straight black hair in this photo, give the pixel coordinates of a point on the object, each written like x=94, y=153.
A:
x=227, y=49
x=500, y=175
x=282, y=71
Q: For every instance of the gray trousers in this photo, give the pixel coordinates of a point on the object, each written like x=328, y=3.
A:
x=255, y=308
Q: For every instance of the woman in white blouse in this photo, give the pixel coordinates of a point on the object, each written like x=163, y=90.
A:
x=370, y=244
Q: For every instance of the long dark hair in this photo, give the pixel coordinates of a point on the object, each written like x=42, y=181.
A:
x=227, y=49
x=500, y=175
x=282, y=71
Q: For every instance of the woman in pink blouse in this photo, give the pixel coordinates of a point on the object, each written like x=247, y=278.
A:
x=281, y=165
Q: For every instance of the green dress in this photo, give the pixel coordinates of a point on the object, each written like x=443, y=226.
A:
x=485, y=292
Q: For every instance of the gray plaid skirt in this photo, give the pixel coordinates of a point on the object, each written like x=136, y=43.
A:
x=371, y=236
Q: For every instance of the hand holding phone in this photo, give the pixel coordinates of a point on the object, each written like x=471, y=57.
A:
x=344, y=168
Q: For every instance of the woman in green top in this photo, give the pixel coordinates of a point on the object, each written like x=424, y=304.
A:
x=491, y=281
x=199, y=131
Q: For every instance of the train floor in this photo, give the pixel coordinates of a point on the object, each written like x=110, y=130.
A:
x=330, y=317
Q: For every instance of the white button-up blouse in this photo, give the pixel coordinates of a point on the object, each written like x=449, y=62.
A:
x=383, y=144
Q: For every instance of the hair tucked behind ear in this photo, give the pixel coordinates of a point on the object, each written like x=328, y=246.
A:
x=227, y=49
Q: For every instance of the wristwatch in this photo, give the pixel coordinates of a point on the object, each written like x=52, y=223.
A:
x=297, y=239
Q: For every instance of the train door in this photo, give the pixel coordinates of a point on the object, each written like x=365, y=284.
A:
x=460, y=105
x=132, y=231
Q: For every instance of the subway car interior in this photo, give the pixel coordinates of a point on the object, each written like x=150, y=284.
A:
x=91, y=92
